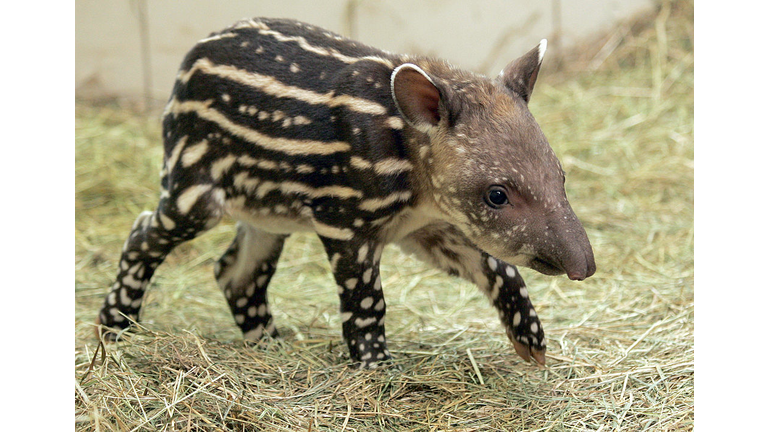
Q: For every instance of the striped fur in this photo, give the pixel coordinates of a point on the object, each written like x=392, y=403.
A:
x=288, y=127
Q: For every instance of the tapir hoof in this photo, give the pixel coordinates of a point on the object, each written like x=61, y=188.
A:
x=526, y=352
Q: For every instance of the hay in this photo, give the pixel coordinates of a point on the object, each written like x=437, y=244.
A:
x=620, y=116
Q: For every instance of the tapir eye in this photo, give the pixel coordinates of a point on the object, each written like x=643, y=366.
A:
x=496, y=197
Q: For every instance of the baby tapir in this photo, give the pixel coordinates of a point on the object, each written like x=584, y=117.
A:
x=287, y=127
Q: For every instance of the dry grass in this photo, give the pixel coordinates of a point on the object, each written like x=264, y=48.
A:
x=620, y=343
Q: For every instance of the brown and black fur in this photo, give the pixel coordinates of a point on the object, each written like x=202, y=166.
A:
x=287, y=127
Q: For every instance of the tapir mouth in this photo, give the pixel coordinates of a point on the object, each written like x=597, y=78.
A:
x=553, y=269
x=546, y=267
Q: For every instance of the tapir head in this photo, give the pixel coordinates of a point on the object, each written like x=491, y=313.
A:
x=487, y=166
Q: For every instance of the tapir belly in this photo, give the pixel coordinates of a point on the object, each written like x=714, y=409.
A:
x=280, y=219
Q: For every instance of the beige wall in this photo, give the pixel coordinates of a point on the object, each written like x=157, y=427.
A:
x=477, y=35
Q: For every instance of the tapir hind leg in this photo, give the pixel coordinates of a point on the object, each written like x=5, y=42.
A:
x=445, y=247
x=244, y=272
x=179, y=217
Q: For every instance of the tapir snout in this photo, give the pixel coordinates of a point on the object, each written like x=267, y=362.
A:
x=562, y=247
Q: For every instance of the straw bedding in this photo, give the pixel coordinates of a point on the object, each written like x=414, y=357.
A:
x=619, y=114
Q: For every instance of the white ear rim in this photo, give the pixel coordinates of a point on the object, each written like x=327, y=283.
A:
x=392, y=90
x=542, y=49
x=411, y=66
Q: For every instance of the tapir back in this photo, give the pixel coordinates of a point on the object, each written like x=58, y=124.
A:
x=304, y=111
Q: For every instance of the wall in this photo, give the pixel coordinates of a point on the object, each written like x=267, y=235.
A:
x=483, y=36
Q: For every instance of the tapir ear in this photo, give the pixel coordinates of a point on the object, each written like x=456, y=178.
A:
x=416, y=96
x=520, y=75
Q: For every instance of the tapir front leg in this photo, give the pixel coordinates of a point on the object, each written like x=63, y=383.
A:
x=506, y=289
x=445, y=247
x=355, y=266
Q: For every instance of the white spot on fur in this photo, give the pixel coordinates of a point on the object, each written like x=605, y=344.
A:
x=116, y=315
x=360, y=322
x=220, y=166
x=190, y=196
x=335, y=261
x=124, y=298
x=193, y=153
x=362, y=253
x=497, y=287
x=167, y=222
x=367, y=276
x=492, y=263
x=254, y=334
x=511, y=271
x=377, y=253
